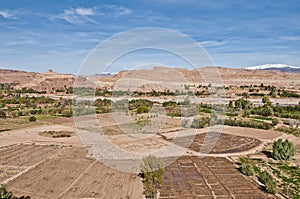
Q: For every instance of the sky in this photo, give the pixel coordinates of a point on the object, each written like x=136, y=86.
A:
x=38, y=35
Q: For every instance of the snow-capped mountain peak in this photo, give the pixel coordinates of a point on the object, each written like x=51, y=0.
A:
x=271, y=66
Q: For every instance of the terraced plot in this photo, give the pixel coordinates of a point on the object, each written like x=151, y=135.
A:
x=209, y=177
x=17, y=158
x=225, y=143
x=68, y=174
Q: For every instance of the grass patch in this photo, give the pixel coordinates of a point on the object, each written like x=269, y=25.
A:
x=45, y=117
x=288, y=130
x=287, y=177
x=204, y=110
x=231, y=114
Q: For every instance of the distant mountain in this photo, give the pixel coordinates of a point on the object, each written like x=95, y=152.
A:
x=105, y=74
x=277, y=67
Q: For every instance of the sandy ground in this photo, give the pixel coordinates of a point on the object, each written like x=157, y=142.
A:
x=67, y=171
x=30, y=135
x=70, y=174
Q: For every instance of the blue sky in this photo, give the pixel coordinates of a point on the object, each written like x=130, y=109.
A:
x=37, y=35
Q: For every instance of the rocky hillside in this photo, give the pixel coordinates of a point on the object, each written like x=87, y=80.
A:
x=162, y=77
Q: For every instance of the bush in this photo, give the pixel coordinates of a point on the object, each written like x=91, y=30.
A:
x=274, y=122
x=247, y=167
x=268, y=180
x=33, y=111
x=32, y=118
x=67, y=113
x=4, y=194
x=152, y=171
x=283, y=150
x=200, y=123
x=2, y=114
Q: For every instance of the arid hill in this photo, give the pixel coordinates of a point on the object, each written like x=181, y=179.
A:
x=165, y=77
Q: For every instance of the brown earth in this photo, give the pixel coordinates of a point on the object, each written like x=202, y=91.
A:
x=225, y=143
x=68, y=173
x=209, y=177
x=159, y=78
x=60, y=168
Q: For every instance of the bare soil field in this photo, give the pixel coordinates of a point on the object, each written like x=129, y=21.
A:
x=225, y=143
x=60, y=168
x=17, y=158
x=68, y=174
x=209, y=177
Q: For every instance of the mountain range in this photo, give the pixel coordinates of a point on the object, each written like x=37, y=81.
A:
x=277, y=67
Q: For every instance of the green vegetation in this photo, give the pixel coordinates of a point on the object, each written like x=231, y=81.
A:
x=248, y=124
x=269, y=181
x=140, y=105
x=32, y=119
x=4, y=194
x=56, y=134
x=242, y=104
x=152, y=172
x=292, y=131
x=103, y=105
x=289, y=177
x=169, y=103
x=201, y=123
x=283, y=150
x=67, y=113
x=247, y=166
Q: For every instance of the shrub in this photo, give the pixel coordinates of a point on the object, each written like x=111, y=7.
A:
x=32, y=118
x=152, y=171
x=2, y=114
x=4, y=194
x=274, y=122
x=268, y=180
x=283, y=150
x=33, y=111
x=67, y=113
x=247, y=167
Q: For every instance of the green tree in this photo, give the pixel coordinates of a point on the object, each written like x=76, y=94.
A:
x=283, y=150
x=152, y=171
x=242, y=104
x=266, y=101
x=32, y=118
x=267, y=111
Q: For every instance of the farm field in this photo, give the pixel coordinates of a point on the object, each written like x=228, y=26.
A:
x=62, y=168
x=67, y=174
x=209, y=177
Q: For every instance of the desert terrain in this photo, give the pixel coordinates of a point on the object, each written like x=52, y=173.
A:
x=63, y=136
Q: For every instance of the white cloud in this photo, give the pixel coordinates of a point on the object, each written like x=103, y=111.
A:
x=210, y=43
x=85, y=11
x=7, y=14
x=124, y=11
x=82, y=15
x=290, y=38
x=76, y=15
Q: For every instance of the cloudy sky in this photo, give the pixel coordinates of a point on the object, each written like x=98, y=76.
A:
x=37, y=35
